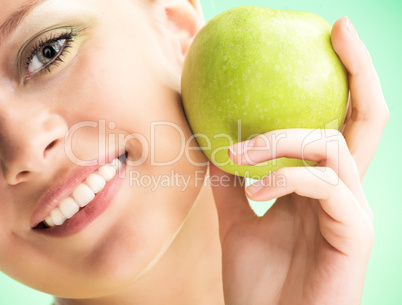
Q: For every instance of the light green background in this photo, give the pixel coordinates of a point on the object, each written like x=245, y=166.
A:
x=379, y=25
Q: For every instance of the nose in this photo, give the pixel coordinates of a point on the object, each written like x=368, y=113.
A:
x=28, y=143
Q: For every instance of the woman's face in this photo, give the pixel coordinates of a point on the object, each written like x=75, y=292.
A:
x=81, y=83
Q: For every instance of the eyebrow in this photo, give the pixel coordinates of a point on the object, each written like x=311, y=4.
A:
x=12, y=22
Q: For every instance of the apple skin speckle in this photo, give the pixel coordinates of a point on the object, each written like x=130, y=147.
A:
x=259, y=58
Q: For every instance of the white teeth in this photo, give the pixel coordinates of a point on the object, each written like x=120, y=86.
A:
x=83, y=195
x=108, y=172
x=117, y=164
x=96, y=183
x=69, y=207
x=57, y=217
x=49, y=221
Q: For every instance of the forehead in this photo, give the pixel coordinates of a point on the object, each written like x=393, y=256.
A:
x=24, y=16
x=8, y=7
x=12, y=12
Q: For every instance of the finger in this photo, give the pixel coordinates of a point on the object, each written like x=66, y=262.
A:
x=343, y=220
x=231, y=202
x=326, y=147
x=348, y=115
x=369, y=115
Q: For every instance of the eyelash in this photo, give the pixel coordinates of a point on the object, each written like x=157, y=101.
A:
x=68, y=36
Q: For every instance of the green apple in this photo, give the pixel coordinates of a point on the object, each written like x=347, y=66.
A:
x=251, y=70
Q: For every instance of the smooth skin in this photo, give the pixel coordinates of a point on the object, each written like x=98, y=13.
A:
x=171, y=246
x=313, y=245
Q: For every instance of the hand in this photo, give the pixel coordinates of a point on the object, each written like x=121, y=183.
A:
x=313, y=244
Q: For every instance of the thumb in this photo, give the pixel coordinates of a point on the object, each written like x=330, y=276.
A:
x=231, y=202
x=369, y=114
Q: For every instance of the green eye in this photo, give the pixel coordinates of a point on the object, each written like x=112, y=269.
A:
x=47, y=52
x=46, y=55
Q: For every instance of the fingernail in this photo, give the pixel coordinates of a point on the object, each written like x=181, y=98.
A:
x=351, y=29
x=254, y=188
x=242, y=147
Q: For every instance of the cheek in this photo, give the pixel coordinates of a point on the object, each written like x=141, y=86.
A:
x=116, y=84
x=126, y=91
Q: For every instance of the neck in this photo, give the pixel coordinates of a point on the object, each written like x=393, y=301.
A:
x=189, y=272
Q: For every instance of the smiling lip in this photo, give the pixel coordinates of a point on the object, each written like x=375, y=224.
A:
x=87, y=214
